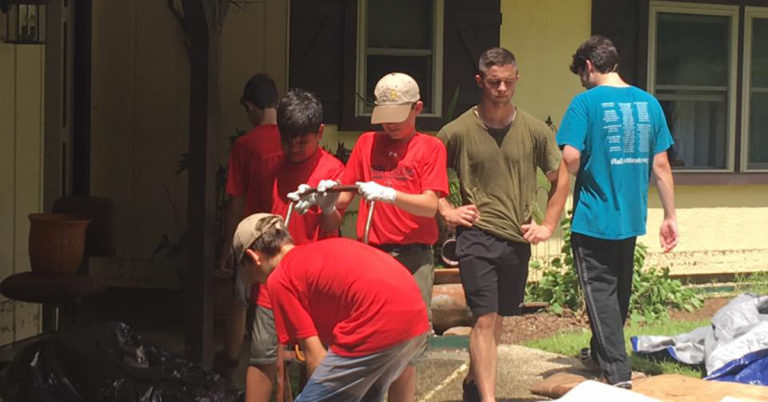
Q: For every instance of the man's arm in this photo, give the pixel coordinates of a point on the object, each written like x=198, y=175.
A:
x=314, y=353
x=668, y=234
x=233, y=212
x=424, y=204
x=572, y=159
x=558, y=193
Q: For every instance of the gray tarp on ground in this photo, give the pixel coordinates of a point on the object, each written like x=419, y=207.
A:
x=739, y=328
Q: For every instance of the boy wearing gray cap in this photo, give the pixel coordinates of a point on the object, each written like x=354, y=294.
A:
x=372, y=320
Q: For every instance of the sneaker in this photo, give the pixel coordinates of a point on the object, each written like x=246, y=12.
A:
x=586, y=359
x=621, y=384
x=470, y=392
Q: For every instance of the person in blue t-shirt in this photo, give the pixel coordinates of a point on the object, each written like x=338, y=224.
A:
x=613, y=137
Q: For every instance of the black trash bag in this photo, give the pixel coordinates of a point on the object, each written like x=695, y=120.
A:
x=108, y=362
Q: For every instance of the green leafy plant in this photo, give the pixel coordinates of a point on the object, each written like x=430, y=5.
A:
x=653, y=291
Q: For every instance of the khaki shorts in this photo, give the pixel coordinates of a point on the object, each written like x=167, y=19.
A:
x=263, y=337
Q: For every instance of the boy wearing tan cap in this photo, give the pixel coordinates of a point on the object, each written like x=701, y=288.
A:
x=372, y=319
x=403, y=171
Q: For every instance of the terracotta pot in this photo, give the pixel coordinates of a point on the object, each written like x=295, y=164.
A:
x=56, y=243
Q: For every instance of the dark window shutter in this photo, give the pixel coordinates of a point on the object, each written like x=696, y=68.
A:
x=470, y=28
x=316, y=51
x=625, y=22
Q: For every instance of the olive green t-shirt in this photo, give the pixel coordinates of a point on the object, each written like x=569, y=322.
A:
x=500, y=179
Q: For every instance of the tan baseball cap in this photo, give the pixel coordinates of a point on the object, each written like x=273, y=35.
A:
x=250, y=229
x=395, y=93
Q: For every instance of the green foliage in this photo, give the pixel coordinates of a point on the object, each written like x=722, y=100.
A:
x=454, y=188
x=570, y=343
x=653, y=291
x=756, y=282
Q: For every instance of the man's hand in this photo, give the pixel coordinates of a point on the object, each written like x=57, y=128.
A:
x=373, y=191
x=668, y=234
x=534, y=233
x=326, y=200
x=302, y=201
x=465, y=215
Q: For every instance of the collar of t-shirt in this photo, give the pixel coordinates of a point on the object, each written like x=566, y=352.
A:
x=498, y=134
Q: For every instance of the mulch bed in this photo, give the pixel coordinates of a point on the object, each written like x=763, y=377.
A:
x=541, y=324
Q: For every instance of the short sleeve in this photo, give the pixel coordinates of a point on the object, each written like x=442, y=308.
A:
x=573, y=128
x=292, y=320
x=663, y=138
x=450, y=149
x=434, y=175
x=547, y=153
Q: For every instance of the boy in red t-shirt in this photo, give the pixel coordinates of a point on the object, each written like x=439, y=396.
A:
x=372, y=319
x=250, y=174
x=404, y=172
x=299, y=117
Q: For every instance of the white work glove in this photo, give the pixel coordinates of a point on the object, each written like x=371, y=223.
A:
x=373, y=191
x=302, y=201
x=326, y=200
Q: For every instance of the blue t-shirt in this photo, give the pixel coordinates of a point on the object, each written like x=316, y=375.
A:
x=618, y=131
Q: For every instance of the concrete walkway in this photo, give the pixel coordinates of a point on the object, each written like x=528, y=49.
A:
x=439, y=377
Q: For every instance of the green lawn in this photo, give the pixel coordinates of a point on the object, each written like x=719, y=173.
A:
x=570, y=343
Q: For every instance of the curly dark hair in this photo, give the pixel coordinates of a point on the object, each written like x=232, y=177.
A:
x=299, y=113
x=600, y=51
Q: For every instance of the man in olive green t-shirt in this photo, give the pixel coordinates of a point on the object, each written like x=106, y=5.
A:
x=496, y=148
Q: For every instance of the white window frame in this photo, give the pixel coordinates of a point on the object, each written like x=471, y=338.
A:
x=730, y=11
x=750, y=13
x=438, y=13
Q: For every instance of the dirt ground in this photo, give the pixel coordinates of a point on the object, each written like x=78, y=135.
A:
x=539, y=325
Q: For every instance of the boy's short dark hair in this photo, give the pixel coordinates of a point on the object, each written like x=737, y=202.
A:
x=495, y=56
x=299, y=113
x=600, y=51
x=261, y=91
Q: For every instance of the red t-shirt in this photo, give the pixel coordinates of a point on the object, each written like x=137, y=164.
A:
x=411, y=167
x=251, y=169
x=303, y=228
x=355, y=298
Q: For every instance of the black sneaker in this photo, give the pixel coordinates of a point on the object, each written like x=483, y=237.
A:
x=586, y=359
x=470, y=392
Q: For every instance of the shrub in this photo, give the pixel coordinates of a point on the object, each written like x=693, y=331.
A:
x=653, y=291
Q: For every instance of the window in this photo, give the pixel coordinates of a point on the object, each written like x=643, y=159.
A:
x=755, y=94
x=692, y=71
x=340, y=48
x=404, y=36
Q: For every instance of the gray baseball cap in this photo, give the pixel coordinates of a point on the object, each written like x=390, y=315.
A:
x=250, y=229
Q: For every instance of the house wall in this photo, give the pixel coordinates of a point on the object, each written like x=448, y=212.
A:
x=723, y=228
x=21, y=175
x=139, y=120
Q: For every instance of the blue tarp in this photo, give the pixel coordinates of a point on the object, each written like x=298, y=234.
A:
x=734, y=347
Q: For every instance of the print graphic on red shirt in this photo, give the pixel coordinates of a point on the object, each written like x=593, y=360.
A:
x=355, y=298
x=303, y=228
x=413, y=167
x=251, y=168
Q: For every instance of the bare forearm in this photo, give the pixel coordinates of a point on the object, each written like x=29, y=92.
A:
x=425, y=204
x=666, y=186
x=443, y=207
x=314, y=353
x=558, y=194
x=330, y=222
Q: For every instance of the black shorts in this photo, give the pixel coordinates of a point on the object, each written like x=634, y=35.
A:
x=493, y=271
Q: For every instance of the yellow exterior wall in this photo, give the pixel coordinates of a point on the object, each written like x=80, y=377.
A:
x=543, y=35
x=723, y=228
x=140, y=118
x=21, y=175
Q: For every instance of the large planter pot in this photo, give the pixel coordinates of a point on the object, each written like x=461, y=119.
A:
x=449, y=307
x=56, y=243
